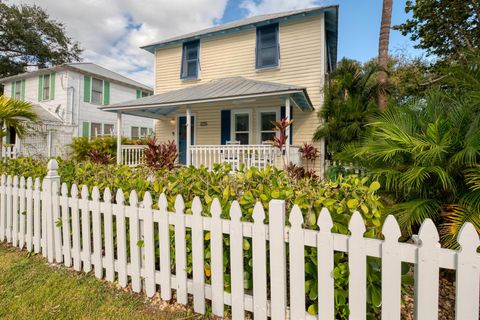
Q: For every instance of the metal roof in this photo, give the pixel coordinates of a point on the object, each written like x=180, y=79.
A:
x=233, y=88
x=331, y=21
x=83, y=68
x=45, y=116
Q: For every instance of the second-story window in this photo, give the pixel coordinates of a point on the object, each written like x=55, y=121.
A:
x=97, y=91
x=190, y=60
x=18, y=90
x=46, y=87
x=268, y=52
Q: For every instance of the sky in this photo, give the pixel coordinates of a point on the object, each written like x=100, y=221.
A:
x=112, y=31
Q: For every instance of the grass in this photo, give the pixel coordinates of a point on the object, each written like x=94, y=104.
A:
x=30, y=288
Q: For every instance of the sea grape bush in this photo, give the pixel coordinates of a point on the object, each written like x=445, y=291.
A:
x=341, y=197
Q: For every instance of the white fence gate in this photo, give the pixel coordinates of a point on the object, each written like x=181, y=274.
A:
x=63, y=224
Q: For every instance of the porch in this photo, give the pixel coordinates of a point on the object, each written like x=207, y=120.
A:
x=224, y=121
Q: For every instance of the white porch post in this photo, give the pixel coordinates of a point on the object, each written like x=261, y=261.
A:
x=189, y=134
x=287, y=115
x=119, y=137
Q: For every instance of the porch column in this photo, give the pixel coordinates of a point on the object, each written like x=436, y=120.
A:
x=119, y=137
x=287, y=115
x=189, y=134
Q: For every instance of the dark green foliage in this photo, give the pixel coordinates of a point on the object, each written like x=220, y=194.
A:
x=443, y=27
x=29, y=37
x=350, y=100
x=83, y=148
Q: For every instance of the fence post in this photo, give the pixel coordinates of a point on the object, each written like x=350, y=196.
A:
x=50, y=179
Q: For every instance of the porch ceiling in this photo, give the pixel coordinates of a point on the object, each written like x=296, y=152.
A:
x=226, y=89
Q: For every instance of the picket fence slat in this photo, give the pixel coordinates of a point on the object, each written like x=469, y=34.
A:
x=76, y=237
x=149, y=241
x=66, y=231
x=391, y=270
x=180, y=251
x=164, y=239
x=216, y=259
x=22, y=213
x=85, y=233
x=357, y=283
x=278, y=269
x=15, y=191
x=56, y=224
x=236, y=262
x=427, y=272
x=297, y=264
x=119, y=210
x=108, y=227
x=64, y=227
x=29, y=217
x=37, y=231
x=259, y=256
x=135, y=242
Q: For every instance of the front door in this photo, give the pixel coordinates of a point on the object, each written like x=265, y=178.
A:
x=182, y=138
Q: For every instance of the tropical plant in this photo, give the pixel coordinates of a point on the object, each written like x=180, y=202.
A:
x=280, y=140
x=426, y=155
x=160, y=155
x=14, y=114
x=384, y=40
x=309, y=153
x=350, y=100
x=82, y=148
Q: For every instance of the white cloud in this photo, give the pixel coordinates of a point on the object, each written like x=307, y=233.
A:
x=111, y=31
x=254, y=8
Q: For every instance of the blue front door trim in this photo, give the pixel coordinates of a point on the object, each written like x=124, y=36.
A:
x=182, y=138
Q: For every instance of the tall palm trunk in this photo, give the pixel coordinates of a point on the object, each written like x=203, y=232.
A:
x=383, y=53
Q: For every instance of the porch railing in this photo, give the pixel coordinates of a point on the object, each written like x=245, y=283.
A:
x=133, y=155
x=9, y=152
x=258, y=156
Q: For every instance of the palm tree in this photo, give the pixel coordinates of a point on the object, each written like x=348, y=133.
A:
x=350, y=99
x=14, y=114
x=426, y=155
x=383, y=53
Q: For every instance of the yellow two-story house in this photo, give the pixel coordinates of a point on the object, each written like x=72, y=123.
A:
x=218, y=90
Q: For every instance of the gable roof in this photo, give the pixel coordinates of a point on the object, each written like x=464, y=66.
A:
x=331, y=15
x=83, y=68
x=224, y=89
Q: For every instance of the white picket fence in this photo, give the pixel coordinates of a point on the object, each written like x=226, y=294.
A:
x=63, y=224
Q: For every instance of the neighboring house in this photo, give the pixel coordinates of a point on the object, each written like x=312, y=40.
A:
x=234, y=79
x=67, y=99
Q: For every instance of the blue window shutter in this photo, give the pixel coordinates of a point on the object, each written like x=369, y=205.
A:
x=282, y=116
x=261, y=46
x=225, y=125
x=187, y=48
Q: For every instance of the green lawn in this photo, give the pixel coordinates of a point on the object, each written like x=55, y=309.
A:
x=32, y=289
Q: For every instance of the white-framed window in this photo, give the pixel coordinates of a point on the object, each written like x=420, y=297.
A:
x=265, y=127
x=97, y=91
x=95, y=129
x=46, y=87
x=139, y=132
x=241, y=126
x=108, y=129
x=18, y=90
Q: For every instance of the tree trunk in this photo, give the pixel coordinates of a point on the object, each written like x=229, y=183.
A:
x=383, y=53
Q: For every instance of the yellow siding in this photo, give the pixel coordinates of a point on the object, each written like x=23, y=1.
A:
x=302, y=53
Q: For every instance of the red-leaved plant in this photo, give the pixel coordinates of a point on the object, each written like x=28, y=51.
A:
x=280, y=140
x=309, y=152
x=99, y=157
x=160, y=155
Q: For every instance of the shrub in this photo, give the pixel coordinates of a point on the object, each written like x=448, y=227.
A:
x=84, y=148
x=160, y=155
x=341, y=197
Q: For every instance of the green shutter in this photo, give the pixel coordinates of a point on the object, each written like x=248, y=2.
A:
x=86, y=88
x=12, y=95
x=106, y=92
x=22, y=90
x=40, y=88
x=85, y=129
x=139, y=93
x=52, y=86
